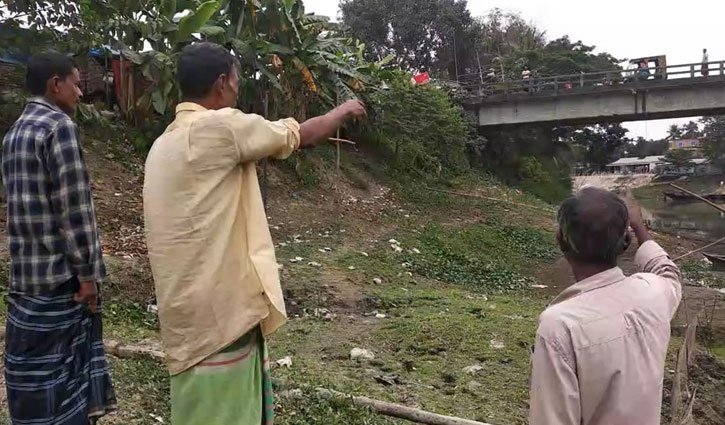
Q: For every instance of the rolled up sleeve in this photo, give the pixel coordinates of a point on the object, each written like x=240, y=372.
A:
x=651, y=258
x=256, y=138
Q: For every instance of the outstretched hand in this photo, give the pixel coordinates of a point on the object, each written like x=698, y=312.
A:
x=353, y=109
x=316, y=130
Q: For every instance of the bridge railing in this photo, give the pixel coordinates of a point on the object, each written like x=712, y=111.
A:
x=476, y=85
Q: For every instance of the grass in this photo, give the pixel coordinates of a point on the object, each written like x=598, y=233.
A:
x=129, y=322
x=313, y=409
x=700, y=273
x=719, y=352
x=431, y=333
x=142, y=389
x=488, y=256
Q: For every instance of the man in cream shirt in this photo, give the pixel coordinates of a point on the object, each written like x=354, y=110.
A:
x=601, y=344
x=211, y=252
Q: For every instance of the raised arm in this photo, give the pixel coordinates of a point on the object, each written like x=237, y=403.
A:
x=316, y=130
x=256, y=138
x=651, y=258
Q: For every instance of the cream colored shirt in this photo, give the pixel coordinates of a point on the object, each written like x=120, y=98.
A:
x=600, y=347
x=211, y=252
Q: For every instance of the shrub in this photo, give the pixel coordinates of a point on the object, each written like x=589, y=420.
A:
x=419, y=128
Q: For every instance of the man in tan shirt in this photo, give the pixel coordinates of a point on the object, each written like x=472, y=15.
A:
x=600, y=347
x=211, y=252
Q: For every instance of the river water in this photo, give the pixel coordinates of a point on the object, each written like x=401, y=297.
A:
x=695, y=220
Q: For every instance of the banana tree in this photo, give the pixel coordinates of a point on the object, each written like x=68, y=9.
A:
x=167, y=34
x=293, y=59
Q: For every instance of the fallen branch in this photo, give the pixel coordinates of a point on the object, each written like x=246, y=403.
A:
x=411, y=414
x=119, y=349
x=470, y=195
x=124, y=351
x=695, y=251
x=396, y=410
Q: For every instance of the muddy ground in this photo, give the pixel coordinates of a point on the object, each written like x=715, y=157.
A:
x=463, y=291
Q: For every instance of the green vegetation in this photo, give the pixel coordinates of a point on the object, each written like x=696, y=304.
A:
x=719, y=351
x=142, y=388
x=701, y=273
x=432, y=334
x=419, y=128
x=313, y=409
x=678, y=158
x=487, y=257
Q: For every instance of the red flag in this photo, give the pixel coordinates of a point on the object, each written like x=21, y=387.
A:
x=421, y=78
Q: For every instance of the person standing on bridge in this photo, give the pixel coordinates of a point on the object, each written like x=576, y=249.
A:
x=601, y=345
x=705, y=69
x=211, y=252
x=526, y=76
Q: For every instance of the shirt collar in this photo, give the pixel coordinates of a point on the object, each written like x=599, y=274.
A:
x=45, y=102
x=189, y=107
x=599, y=280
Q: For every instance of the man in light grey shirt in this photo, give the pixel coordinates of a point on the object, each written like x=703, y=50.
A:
x=601, y=344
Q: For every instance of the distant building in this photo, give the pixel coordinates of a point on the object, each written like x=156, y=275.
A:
x=657, y=164
x=634, y=165
x=695, y=146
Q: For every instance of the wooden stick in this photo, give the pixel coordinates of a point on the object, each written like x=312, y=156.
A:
x=411, y=414
x=337, y=139
x=695, y=251
x=470, y=195
x=119, y=349
x=399, y=411
x=712, y=204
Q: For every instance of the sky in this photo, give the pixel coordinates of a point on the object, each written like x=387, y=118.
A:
x=623, y=28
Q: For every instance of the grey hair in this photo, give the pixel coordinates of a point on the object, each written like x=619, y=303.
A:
x=593, y=226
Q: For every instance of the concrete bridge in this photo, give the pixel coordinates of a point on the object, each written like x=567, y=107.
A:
x=609, y=96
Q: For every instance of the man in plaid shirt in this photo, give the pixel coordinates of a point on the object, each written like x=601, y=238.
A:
x=55, y=365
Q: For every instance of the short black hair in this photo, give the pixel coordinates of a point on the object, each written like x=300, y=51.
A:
x=44, y=66
x=593, y=226
x=200, y=66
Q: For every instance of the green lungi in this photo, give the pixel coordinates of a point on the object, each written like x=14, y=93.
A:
x=232, y=387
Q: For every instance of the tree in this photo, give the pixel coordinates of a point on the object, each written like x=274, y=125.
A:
x=674, y=132
x=643, y=147
x=601, y=144
x=428, y=35
x=679, y=158
x=714, y=129
x=291, y=61
x=691, y=130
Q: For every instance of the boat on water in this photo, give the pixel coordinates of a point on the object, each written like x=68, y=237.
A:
x=717, y=260
x=678, y=196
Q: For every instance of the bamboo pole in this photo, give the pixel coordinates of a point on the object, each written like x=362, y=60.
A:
x=707, y=201
x=470, y=195
x=695, y=251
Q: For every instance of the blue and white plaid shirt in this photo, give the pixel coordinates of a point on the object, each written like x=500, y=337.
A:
x=52, y=231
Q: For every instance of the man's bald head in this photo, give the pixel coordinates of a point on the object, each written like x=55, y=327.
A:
x=593, y=227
